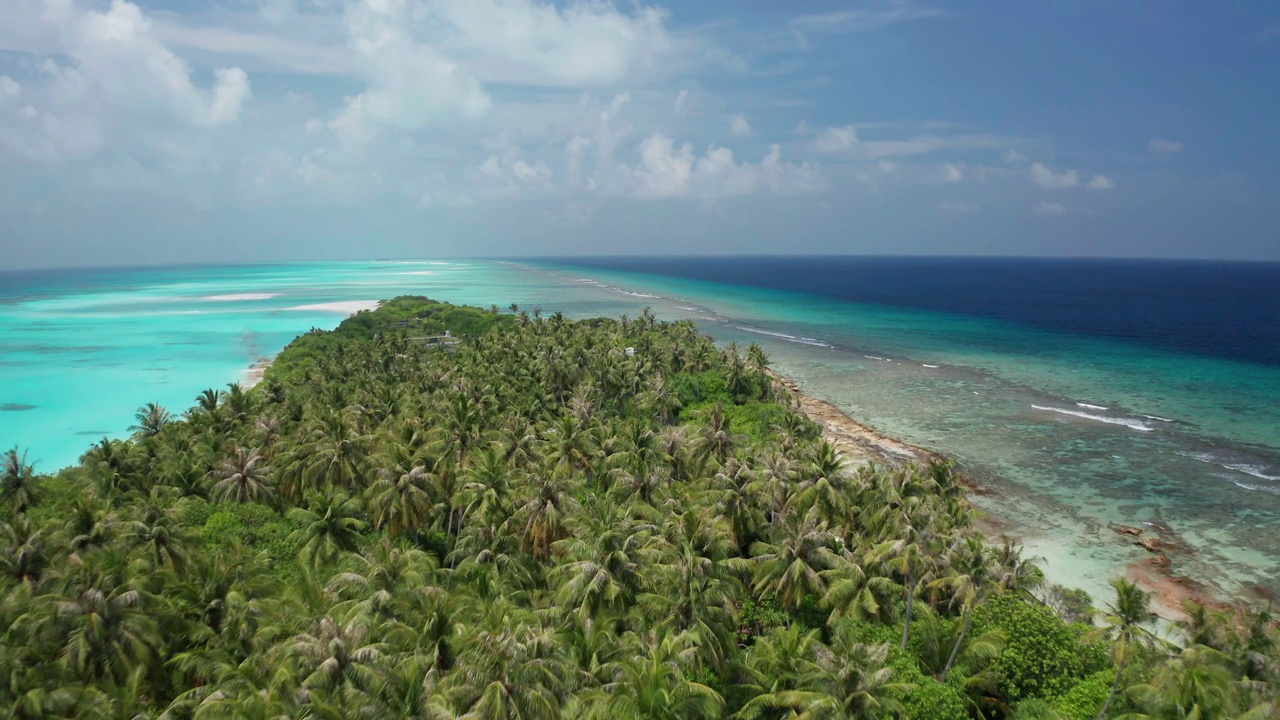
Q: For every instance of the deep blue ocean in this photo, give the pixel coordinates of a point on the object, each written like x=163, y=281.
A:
x=1080, y=395
x=1223, y=309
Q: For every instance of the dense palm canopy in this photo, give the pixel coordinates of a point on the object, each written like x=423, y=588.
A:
x=534, y=523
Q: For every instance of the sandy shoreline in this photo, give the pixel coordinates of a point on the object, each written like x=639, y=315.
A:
x=860, y=445
x=255, y=372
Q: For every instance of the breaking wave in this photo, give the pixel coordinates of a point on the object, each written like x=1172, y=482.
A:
x=1127, y=422
x=784, y=336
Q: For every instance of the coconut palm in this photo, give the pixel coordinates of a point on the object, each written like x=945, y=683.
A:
x=337, y=656
x=650, y=684
x=967, y=577
x=152, y=418
x=1125, y=619
x=791, y=567
x=18, y=482
x=242, y=478
x=331, y=528
x=400, y=499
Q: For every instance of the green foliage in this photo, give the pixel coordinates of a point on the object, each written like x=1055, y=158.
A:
x=758, y=616
x=1043, y=656
x=1072, y=604
x=701, y=389
x=925, y=696
x=1083, y=701
x=532, y=523
x=1035, y=709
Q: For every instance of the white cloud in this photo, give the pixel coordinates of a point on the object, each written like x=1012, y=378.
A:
x=1013, y=156
x=952, y=173
x=538, y=43
x=739, y=127
x=681, y=99
x=116, y=55
x=1045, y=177
x=113, y=84
x=667, y=171
x=1164, y=148
x=957, y=206
x=836, y=139
x=803, y=129
x=1100, y=182
x=411, y=84
x=9, y=88
x=1049, y=208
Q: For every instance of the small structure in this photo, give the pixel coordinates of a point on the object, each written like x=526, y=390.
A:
x=631, y=352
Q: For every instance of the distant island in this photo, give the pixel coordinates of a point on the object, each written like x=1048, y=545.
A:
x=437, y=511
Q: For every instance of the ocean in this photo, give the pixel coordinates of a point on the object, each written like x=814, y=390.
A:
x=1079, y=395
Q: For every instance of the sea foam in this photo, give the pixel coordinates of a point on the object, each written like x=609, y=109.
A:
x=784, y=336
x=1127, y=422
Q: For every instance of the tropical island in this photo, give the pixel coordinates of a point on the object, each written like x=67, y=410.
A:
x=545, y=518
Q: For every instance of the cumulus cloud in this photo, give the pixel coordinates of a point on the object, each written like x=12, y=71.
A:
x=952, y=173
x=410, y=84
x=1049, y=208
x=739, y=127
x=668, y=171
x=681, y=99
x=538, y=43
x=108, y=79
x=1100, y=182
x=116, y=56
x=659, y=167
x=1013, y=156
x=1164, y=148
x=1045, y=177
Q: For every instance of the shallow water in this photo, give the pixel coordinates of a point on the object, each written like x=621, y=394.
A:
x=1070, y=433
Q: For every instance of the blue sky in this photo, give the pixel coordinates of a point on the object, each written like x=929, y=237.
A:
x=229, y=130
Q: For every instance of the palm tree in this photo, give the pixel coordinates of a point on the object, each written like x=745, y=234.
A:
x=242, y=479
x=332, y=528
x=1125, y=619
x=968, y=579
x=337, y=655
x=22, y=553
x=106, y=629
x=540, y=518
x=152, y=418
x=18, y=482
x=846, y=680
x=651, y=685
x=400, y=499
x=334, y=454
x=604, y=561
x=791, y=568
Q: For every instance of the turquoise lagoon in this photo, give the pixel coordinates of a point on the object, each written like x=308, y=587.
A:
x=1069, y=435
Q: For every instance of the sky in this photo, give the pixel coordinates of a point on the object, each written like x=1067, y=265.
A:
x=195, y=131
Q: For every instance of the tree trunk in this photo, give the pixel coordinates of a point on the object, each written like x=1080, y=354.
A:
x=911, y=601
x=1114, y=687
x=955, y=651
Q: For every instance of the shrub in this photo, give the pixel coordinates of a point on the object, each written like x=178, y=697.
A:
x=925, y=697
x=1044, y=657
x=1083, y=701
